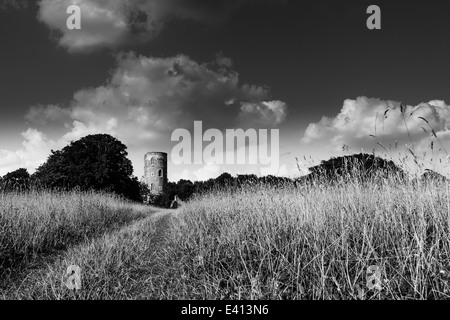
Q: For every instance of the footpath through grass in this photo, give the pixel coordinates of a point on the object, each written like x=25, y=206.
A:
x=35, y=226
x=123, y=264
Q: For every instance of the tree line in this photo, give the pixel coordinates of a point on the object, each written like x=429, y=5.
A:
x=100, y=162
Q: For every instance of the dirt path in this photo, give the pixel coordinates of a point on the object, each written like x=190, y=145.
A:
x=153, y=229
x=162, y=220
x=163, y=224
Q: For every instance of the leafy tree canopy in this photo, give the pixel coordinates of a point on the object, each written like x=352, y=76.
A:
x=97, y=162
x=16, y=180
x=358, y=165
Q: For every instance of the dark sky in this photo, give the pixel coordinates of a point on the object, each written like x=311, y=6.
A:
x=312, y=55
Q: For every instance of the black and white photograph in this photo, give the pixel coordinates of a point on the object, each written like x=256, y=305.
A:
x=236, y=151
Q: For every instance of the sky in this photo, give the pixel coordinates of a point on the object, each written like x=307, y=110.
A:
x=141, y=69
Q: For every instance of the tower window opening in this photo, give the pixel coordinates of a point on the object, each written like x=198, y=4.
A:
x=160, y=173
x=153, y=162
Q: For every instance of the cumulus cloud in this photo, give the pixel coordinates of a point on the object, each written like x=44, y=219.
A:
x=103, y=23
x=42, y=114
x=265, y=113
x=147, y=98
x=157, y=95
x=288, y=170
x=35, y=149
x=364, y=122
x=206, y=172
x=113, y=23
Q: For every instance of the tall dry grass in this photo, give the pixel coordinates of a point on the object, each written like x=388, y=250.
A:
x=314, y=242
x=38, y=223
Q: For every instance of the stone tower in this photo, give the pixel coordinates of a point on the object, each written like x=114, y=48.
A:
x=155, y=172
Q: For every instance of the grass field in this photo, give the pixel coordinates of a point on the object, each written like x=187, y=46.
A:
x=316, y=242
x=257, y=242
x=36, y=226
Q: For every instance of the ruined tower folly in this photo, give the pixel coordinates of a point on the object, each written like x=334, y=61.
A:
x=155, y=172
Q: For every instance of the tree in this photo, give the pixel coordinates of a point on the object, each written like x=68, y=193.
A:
x=158, y=200
x=16, y=180
x=144, y=191
x=95, y=162
x=361, y=166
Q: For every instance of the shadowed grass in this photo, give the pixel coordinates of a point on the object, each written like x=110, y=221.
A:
x=36, y=224
x=123, y=264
